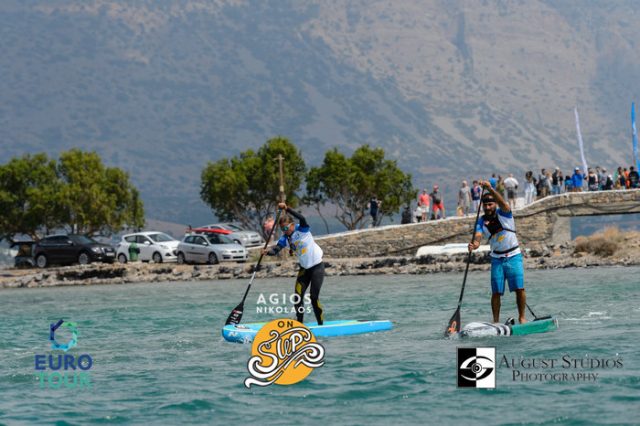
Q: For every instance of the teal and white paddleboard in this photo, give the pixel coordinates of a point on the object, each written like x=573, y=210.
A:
x=482, y=329
x=244, y=333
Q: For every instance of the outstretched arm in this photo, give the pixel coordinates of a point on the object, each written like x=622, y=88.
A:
x=300, y=217
x=504, y=206
x=274, y=250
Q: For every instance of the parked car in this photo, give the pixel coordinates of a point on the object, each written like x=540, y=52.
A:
x=238, y=234
x=205, y=230
x=156, y=246
x=67, y=249
x=209, y=248
x=23, y=254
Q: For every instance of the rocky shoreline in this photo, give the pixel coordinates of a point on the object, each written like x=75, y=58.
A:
x=537, y=256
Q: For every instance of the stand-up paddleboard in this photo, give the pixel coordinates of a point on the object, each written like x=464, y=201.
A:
x=482, y=329
x=244, y=333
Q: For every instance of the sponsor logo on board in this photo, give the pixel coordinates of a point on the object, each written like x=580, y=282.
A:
x=284, y=352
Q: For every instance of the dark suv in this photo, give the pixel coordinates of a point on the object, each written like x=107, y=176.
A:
x=65, y=249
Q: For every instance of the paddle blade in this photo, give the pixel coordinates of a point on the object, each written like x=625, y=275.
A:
x=236, y=315
x=454, y=324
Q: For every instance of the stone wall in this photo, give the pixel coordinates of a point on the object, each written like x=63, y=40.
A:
x=544, y=220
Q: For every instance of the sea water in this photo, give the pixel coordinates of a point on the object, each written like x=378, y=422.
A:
x=158, y=356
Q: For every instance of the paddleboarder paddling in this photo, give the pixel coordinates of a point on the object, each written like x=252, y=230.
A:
x=498, y=225
x=311, y=273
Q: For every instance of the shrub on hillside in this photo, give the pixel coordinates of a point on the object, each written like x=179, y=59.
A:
x=604, y=243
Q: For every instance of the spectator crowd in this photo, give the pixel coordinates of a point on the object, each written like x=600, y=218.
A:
x=430, y=206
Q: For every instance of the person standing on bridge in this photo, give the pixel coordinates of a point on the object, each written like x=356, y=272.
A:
x=498, y=225
x=476, y=193
x=374, y=208
x=556, y=181
x=437, y=204
x=577, y=180
x=592, y=180
x=511, y=185
x=423, y=205
x=634, y=178
x=464, y=199
x=530, y=191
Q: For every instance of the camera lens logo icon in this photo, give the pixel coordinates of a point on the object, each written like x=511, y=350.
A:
x=476, y=367
x=72, y=326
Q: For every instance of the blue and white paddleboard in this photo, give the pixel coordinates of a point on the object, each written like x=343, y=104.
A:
x=483, y=329
x=244, y=333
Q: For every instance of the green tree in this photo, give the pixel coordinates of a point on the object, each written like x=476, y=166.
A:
x=95, y=198
x=79, y=193
x=127, y=209
x=246, y=188
x=29, y=196
x=347, y=184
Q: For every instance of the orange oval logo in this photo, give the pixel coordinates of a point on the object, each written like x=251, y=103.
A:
x=284, y=352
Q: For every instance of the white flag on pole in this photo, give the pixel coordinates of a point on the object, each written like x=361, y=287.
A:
x=584, y=161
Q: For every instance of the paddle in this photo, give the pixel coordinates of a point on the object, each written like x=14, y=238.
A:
x=236, y=315
x=535, y=317
x=454, y=322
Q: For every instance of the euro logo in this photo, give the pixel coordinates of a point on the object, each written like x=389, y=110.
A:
x=72, y=326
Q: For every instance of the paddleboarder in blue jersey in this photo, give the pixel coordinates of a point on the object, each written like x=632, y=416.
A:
x=299, y=239
x=499, y=227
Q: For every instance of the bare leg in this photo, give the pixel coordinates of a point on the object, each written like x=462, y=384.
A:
x=521, y=300
x=495, y=306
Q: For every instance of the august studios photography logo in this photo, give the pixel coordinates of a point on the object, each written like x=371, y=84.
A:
x=60, y=369
x=476, y=368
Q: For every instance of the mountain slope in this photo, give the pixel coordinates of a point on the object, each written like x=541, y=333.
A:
x=449, y=89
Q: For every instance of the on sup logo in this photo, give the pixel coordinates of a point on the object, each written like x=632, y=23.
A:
x=477, y=368
x=284, y=352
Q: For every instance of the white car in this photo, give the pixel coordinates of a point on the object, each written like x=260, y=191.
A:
x=156, y=246
x=209, y=248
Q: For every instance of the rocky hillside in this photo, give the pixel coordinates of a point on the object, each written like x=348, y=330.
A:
x=448, y=88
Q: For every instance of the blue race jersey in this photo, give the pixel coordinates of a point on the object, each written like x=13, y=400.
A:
x=302, y=243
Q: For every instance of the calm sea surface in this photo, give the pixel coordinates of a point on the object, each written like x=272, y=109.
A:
x=158, y=357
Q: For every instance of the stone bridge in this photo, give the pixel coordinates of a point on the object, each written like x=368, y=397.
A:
x=544, y=220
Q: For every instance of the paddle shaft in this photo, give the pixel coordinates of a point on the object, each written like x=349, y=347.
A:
x=236, y=314
x=282, y=198
x=255, y=269
x=473, y=236
x=535, y=317
x=454, y=323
